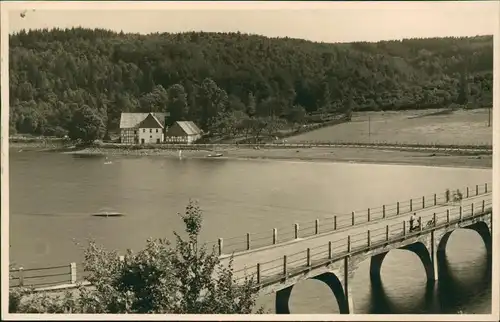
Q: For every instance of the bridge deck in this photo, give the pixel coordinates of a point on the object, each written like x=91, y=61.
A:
x=271, y=259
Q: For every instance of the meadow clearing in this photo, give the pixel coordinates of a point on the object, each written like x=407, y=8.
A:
x=460, y=127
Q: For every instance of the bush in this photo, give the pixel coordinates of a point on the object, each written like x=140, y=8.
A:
x=186, y=278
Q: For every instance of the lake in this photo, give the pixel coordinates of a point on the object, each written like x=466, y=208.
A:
x=53, y=195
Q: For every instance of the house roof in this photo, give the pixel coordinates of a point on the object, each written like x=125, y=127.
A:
x=132, y=120
x=189, y=127
x=150, y=122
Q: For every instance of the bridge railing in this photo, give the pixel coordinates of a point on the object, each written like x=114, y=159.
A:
x=43, y=276
x=72, y=273
x=290, y=264
x=328, y=224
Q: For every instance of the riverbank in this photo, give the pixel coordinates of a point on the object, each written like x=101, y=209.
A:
x=323, y=154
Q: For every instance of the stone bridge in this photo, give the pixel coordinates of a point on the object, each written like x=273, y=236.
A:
x=335, y=262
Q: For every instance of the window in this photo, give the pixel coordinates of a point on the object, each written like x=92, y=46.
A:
x=150, y=130
x=143, y=130
x=156, y=130
x=150, y=136
x=135, y=132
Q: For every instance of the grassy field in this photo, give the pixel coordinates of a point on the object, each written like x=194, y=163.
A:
x=458, y=127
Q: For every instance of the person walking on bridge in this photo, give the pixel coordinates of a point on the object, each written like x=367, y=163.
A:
x=412, y=220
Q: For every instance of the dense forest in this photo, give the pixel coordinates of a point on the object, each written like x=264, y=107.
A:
x=60, y=78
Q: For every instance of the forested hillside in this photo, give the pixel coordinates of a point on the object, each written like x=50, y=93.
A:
x=97, y=74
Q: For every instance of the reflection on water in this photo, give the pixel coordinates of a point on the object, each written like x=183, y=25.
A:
x=52, y=196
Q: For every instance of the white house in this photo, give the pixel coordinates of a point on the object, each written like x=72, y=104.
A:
x=185, y=132
x=142, y=128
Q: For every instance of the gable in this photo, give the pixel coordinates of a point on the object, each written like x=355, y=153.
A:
x=150, y=122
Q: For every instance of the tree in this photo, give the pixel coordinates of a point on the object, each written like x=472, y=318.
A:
x=88, y=67
x=251, y=107
x=177, y=104
x=297, y=115
x=325, y=103
x=229, y=123
x=348, y=106
x=463, y=91
x=154, y=101
x=159, y=279
x=86, y=125
x=212, y=100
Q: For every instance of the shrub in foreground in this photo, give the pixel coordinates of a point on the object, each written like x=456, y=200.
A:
x=162, y=278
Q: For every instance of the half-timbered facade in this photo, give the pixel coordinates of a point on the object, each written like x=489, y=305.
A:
x=142, y=128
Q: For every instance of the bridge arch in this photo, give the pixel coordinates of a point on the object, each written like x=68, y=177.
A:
x=479, y=227
x=418, y=248
x=330, y=279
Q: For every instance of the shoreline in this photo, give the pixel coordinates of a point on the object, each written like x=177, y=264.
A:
x=323, y=154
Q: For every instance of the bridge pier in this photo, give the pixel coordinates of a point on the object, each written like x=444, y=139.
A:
x=375, y=268
x=333, y=282
x=282, y=304
x=484, y=231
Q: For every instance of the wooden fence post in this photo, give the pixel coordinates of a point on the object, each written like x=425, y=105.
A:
x=467, y=192
x=296, y=228
x=383, y=211
x=434, y=219
x=353, y=218
x=334, y=222
x=275, y=236
x=411, y=204
x=316, y=226
x=248, y=241
x=423, y=202
x=404, y=228
x=72, y=270
x=349, y=243
x=258, y=273
x=460, y=214
x=308, y=257
x=397, y=208
x=21, y=276
x=221, y=243
x=485, y=188
x=368, y=214
x=435, y=199
x=284, y=266
x=482, y=206
x=330, y=250
x=387, y=233
x=477, y=190
x=420, y=223
x=472, y=209
x=447, y=216
x=368, y=238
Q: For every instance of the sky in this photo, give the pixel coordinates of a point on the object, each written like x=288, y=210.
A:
x=316, y=21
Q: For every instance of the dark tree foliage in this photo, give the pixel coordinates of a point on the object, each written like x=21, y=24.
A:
x=198, y=75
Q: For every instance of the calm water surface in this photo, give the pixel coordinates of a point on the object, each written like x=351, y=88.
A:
x=52, y=196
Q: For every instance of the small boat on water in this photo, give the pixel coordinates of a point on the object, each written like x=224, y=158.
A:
x=214, y=155
x=107, y=214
